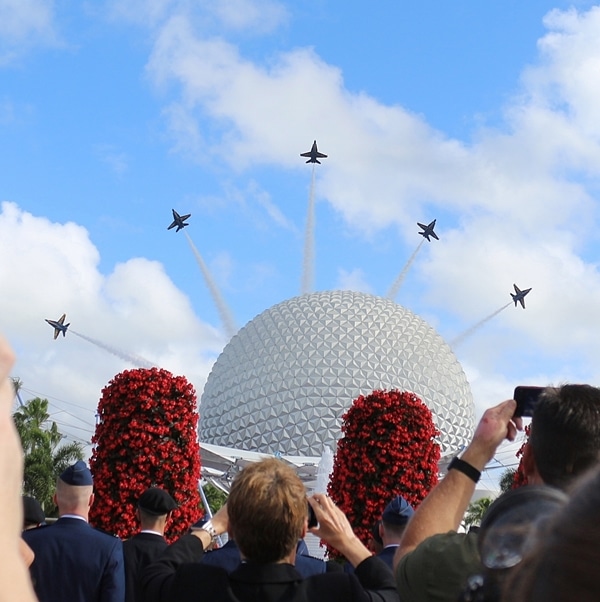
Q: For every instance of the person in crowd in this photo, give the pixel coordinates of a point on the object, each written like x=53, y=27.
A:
x=394, y=519
x=562, y=562
x=504, y=536
x=229, y=558
x=73, y=561
x=153, y=510
x=266, y=514
x=433, y=561
x=388, y=530
x=375, y=543
x=15, y=583
x=33, y=515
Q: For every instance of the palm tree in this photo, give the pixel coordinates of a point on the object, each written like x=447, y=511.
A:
x=476, y=510
x=17, y=385
x=44, y=457
x=506, y=480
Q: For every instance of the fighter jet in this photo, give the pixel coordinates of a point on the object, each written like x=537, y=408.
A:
x=519, y=296
x=179, y=221
x=59, y=326
x=313, y=154
x=428, y=231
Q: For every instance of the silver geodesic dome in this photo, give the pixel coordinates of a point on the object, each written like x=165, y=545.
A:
x=284, y=380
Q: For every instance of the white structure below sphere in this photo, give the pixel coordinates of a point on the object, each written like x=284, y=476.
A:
x=283, y=382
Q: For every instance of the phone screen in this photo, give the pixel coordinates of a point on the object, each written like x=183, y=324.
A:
x=526, y=398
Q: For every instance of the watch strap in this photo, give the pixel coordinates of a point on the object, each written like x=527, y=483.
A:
x=466, y=468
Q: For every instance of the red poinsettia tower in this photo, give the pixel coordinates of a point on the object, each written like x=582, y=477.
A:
x=388, y=448
x=146, y=436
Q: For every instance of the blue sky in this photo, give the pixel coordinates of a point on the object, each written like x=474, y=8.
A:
x=483, y=115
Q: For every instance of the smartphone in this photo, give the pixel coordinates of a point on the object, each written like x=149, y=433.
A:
x=312, y=517
x=526, y=398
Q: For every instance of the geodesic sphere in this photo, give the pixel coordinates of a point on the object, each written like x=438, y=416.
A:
x=284, y=380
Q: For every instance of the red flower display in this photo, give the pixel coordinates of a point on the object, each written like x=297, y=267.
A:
x=388, y=448
x=520, y=478
x=146, y=436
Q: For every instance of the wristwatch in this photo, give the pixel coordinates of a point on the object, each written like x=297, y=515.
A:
x=209, y=528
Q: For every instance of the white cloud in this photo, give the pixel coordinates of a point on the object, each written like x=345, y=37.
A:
x=259, y=16
x=25, y=23
x=135, y=311
x=256, y=17
x=353, y=280
x=523, y=193
x=144, y=12
x=117, y=160
x=517, y=202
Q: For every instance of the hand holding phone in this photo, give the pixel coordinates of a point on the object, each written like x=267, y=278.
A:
x=312, y=517
x=526, y=398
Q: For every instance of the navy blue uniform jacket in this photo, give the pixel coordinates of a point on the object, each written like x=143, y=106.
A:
x=139, y=552
x=75, y=563
x=177, y=576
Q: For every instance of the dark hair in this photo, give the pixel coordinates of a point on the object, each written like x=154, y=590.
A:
x=563, y=566
x=565, y=432
x=505, y=533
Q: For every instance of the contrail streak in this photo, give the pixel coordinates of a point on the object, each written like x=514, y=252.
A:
x=393, y=292
x=467, y=333
x=136, y=360
x=224, y=313
x=309, y=241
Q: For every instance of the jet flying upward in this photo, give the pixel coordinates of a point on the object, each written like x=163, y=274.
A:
x=519, y=296
x=314, y=154
x=428, y=231
x=179, y=220
x=59, y=326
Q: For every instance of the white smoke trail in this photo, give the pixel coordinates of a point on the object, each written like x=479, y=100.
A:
x=226, y=316
x=309, y=241
x=324, y=470
x=136, y=360
x=393, y=292
x=467, y=333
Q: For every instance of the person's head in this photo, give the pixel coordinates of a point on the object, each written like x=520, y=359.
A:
x=267, y=510
x=33, y=515
x=375, y=543
x=154, y=507
x=75, y=490
x=563, y=565
x=565, y=434
x=394, y=519
x=505, y=534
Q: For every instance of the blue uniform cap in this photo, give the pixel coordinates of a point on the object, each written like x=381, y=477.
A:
x=78, y=474
x=397, y=512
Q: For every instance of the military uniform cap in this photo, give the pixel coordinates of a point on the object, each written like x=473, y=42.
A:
x=156, y=501
x=78, y=474
x=32, y=511
x=397, y=512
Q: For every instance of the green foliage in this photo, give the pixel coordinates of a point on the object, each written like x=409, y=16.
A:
x=476, y=510
x=215, y=497
x=507, y=479
x=45, y=458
